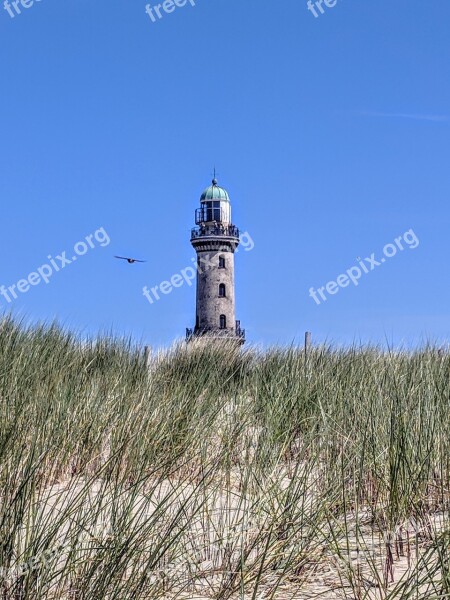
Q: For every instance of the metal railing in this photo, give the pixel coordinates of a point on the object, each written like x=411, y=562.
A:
x=217, y=230
x=220, y=333
x=240, y=333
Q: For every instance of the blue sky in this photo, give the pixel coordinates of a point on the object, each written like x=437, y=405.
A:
x=331, y=134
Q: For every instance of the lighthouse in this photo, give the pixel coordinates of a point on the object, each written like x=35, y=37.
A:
x=215, y=240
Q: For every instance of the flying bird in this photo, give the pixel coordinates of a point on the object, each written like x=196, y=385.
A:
x=130, y=260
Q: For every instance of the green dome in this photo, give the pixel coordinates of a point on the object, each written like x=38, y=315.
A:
x=215, y=192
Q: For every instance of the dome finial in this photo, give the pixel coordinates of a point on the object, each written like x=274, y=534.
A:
x=215, y=192
x=214, y=181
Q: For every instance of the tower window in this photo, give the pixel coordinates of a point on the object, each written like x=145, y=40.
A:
x=221, y=262
x=222, y=290
x=213, y=211
x=223, y=322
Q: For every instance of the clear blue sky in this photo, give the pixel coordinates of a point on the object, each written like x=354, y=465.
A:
x=331, y=134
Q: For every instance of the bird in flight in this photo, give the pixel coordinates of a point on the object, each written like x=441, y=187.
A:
x=130, y=260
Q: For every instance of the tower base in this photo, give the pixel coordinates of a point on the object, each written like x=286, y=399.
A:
x=237, y=335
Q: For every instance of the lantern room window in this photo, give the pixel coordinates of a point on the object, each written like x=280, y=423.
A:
x=212, y=211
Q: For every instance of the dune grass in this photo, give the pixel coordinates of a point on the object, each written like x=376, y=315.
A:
x=220, y=472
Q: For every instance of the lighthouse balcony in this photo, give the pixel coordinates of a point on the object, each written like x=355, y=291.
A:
x=232, y=334
x=215, y=230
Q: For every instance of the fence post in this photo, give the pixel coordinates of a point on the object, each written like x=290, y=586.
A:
x=307, y=342
x=147, y=353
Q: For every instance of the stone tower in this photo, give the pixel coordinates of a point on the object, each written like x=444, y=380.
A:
x=215, y=240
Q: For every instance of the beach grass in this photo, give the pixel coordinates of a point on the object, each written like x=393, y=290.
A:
x=215, y=472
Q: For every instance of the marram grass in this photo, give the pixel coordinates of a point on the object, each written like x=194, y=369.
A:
x=221, y=473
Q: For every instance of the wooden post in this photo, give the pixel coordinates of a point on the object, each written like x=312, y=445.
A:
x=147, y=354
x=307, y=342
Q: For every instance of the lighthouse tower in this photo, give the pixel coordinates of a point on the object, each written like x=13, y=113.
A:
x=215, y=240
